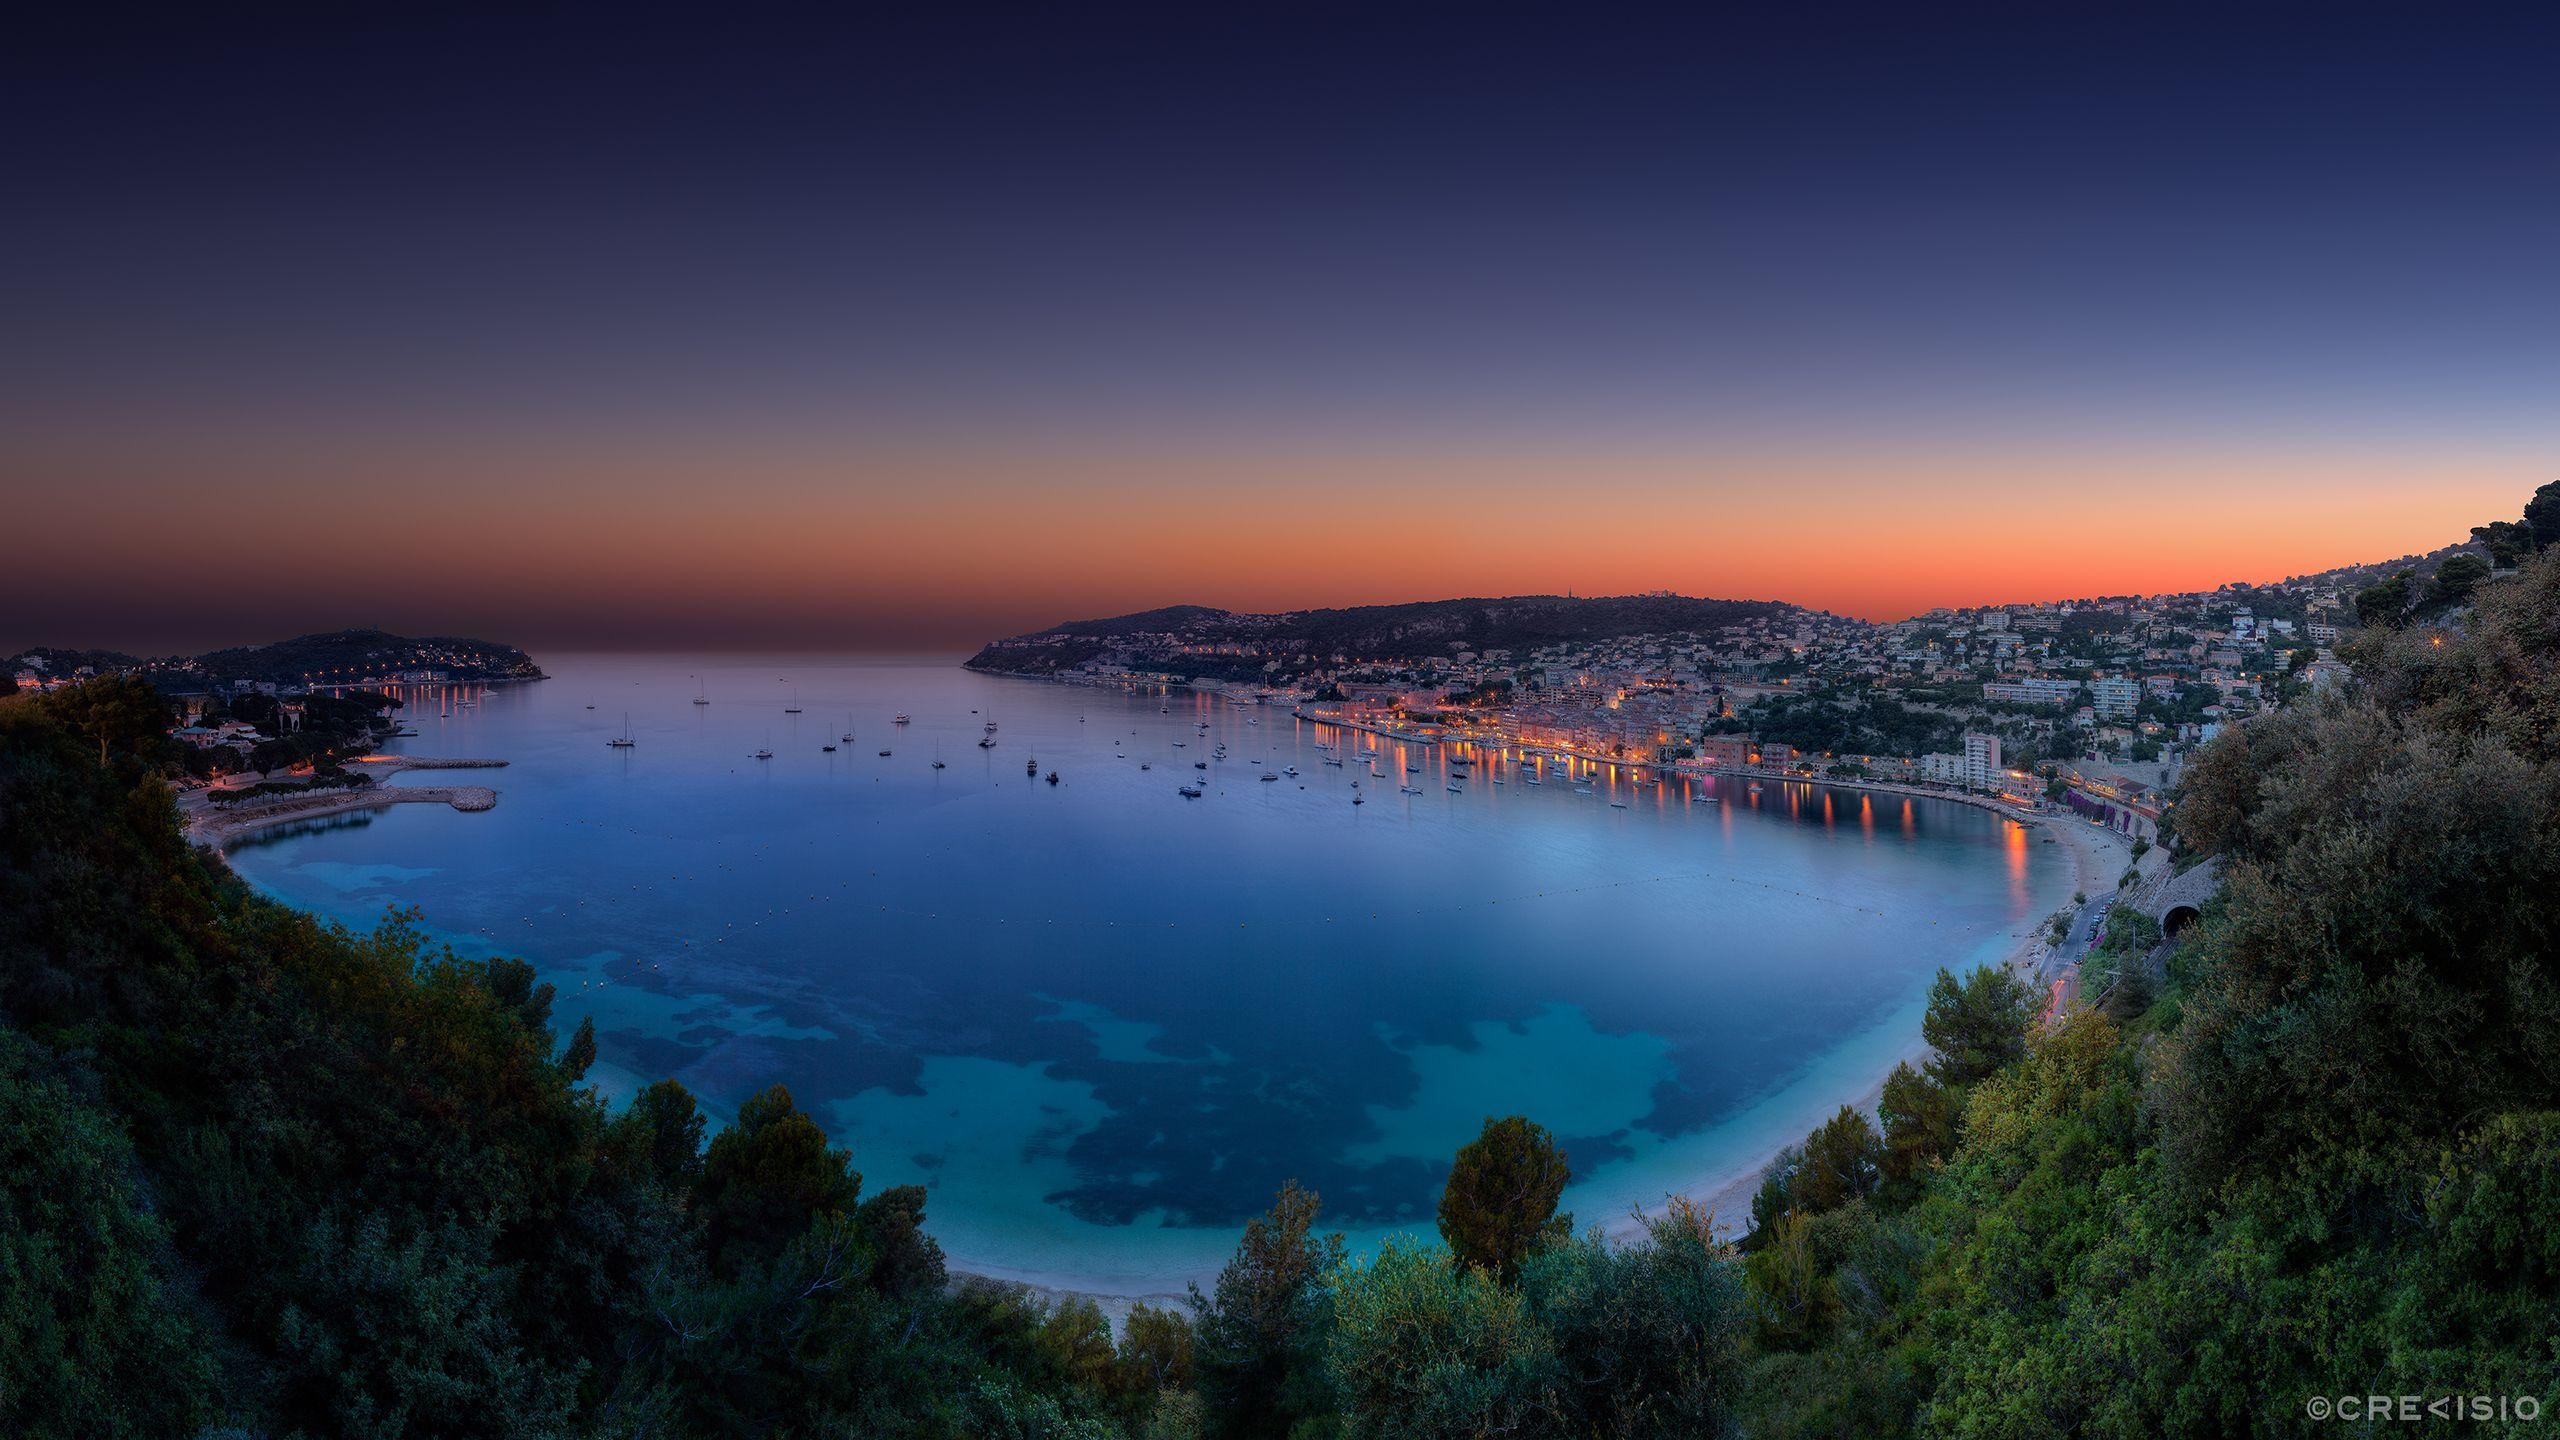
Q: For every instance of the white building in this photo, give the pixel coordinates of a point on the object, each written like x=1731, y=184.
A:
x=2032, y=692
x=2115, y=699
x=1982, y=768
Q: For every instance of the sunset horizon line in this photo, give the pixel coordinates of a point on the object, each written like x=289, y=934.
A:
x=715, y=638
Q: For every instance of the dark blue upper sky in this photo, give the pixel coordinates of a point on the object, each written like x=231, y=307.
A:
x=280, y=252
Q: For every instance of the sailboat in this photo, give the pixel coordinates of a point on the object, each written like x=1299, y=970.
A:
x=937, y=754
x=848, y=727
x=765, y=751
x=623, y=740
x=700, y=695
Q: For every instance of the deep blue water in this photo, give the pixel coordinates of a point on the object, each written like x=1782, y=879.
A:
x=1103, y=1022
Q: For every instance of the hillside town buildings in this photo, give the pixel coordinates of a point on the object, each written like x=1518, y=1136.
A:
x=2091, y=703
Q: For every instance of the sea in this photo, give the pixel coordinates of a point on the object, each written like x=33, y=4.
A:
x=1102, y=1022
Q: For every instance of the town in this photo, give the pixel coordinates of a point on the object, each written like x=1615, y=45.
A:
x=2087, y=704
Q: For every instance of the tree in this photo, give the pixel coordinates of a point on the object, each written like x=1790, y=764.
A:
x=767, y=1177
x=1647, y=1335
x=905, y=1261
x=1074, y=1342
x=266, y=755
x=1255, y=1341
x=1429, y=1347
x=2455, y=579
x=1155, y=1348
x=2130, y=995
x=1839, y=1165
x=1774, y=1198
x=675, y=1127
x=581, y=1052
x=2542, y=516
x=122, y=714
x=1794, y=1296
x=1919, y=1128
x=1500, y=1202
x=1976, y=1026
x=2508, y=542
x=2380, y=606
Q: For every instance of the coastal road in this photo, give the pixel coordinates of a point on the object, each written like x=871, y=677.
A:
x=2058, y=971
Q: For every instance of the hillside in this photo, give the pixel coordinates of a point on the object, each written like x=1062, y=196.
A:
x=2318, y=1155
x=360, y=652
x=1168, y=639
x=344, y=655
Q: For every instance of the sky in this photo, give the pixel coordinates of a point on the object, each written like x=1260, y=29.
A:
x=625, y=327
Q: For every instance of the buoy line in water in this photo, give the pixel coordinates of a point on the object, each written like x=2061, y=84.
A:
x=1219, y=926
x=1401, y=913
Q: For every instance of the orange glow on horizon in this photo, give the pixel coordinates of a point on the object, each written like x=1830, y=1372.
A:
x=950, y=549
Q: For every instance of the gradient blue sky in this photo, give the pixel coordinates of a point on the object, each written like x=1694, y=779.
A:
x=617, y=326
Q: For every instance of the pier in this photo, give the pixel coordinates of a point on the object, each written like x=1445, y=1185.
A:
x=209, y=825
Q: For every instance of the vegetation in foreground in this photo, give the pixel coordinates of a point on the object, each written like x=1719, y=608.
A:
x=262, y=1177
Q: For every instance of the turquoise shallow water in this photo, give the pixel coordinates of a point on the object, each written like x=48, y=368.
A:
x=1102, y=1022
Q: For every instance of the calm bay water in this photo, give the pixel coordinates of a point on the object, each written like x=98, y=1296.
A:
x=1103, y=1023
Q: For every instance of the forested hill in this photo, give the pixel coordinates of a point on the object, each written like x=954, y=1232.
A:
x=1422, y=629
x=357, y=653
x=335, y=655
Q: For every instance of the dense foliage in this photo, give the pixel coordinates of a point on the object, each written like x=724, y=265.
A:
x=1852, y=724
x=260, y=1173
x=2322, y=1159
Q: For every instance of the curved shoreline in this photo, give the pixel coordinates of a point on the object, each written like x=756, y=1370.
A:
x=1724, y=1182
